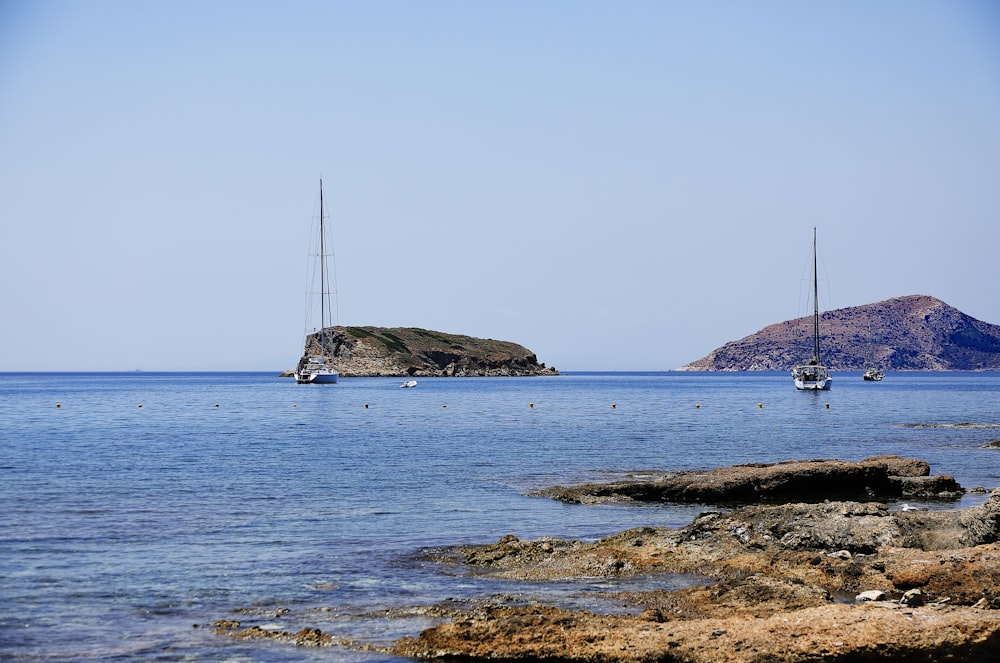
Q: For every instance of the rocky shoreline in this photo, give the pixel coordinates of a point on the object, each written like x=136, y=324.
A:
x=781, y=579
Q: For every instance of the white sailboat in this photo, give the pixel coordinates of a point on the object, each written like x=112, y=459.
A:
x=316, y=365
x=872, y=375
x=813, y=376
x=872, y=372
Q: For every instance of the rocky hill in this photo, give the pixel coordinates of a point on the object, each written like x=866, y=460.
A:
x=902, y=334
x=412, y=352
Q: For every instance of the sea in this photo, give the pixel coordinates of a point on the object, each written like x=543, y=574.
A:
x=137, y=509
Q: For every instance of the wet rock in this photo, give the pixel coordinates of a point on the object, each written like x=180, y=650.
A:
x=226, y=624
x=982, y=523
x=936, y=487
x=880, y=477
x=306, y=637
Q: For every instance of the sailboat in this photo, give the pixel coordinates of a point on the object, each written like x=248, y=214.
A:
x=316, y=367
x=872, y=372
x=813, y=376
x=873, y=375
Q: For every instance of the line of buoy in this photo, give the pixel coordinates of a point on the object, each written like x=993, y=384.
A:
x=614, y=406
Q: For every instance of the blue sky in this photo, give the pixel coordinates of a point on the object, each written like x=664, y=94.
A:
x=615, y=185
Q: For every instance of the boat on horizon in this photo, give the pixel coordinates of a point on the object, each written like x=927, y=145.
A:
x=872, y=375
x=872, y=372
x=316, y=364
x=813, y=376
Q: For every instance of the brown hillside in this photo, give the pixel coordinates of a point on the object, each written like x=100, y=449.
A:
x=917, y=332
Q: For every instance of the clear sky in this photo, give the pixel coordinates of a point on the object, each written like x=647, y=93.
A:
x=615, y=185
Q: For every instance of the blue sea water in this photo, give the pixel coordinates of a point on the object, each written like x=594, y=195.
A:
x=138, y=508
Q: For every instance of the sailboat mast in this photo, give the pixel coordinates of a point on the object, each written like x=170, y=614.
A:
x=815, y=304
x=322, y=277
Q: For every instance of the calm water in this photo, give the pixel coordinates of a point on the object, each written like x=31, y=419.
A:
x=126, y=530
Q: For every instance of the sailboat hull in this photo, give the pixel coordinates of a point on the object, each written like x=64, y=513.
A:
x=812, y=378
x=317, y=377
x=813, y=385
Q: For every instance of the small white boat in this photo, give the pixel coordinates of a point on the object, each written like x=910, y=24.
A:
x=408, y=384
x=813, y=376
x=316, y=365
x=873, y=375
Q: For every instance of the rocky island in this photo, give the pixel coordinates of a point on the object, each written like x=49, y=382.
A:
x=413, y=352
x=784, y=579
x=914, y=333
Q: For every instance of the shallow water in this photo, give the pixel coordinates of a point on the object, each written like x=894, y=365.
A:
x=124, y=527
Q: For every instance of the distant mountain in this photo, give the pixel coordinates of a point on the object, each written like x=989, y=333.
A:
x=912, y=333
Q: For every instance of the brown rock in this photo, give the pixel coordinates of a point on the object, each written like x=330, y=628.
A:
x=880, y=477
x=833, y=632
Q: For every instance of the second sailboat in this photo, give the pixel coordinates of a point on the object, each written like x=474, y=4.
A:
x=813, y=376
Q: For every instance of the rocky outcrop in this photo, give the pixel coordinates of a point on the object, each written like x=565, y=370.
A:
x=837, y=581
x=792, y=583
x=412, y=352
x=904, y=333
x=831, y=633
x=877, y=478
